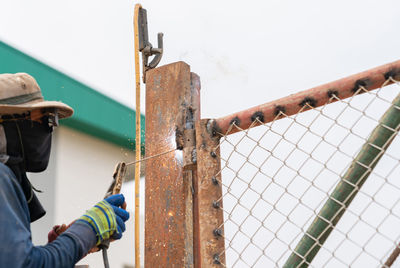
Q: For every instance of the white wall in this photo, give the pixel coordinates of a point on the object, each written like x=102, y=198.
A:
x=78, y=176
x=46, y=182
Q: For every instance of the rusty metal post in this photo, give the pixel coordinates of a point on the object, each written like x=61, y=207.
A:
x=172, y=109
x=208, y=215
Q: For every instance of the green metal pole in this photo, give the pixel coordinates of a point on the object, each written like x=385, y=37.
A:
x=347, y=188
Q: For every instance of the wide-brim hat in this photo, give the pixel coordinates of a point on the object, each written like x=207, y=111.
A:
x=20, y=93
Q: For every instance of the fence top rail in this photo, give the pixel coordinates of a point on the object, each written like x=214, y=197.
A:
x=307, y=99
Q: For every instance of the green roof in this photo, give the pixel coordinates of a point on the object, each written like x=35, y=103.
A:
x=95, y=113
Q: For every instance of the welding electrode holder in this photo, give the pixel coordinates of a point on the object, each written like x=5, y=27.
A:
x=146, y=47
x=115, y=188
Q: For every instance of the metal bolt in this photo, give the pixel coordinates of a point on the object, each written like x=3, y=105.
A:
x=235, y=121
x=216, y=259
x=257, y=116
x=217, y=232
x=213, y=154
x=215, y=204
x=214, y=181
x=333, y=93
x=279, y=109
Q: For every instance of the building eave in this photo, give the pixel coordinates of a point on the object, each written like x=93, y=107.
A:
x=95, y=114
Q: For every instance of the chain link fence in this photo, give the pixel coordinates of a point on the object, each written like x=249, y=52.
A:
x=320, y=188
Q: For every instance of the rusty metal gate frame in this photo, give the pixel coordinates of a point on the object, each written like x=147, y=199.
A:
x=183, y=225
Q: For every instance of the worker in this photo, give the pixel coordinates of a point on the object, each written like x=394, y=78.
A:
x=26, y=125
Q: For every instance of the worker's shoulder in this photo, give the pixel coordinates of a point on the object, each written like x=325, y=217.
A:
x=5, y=169
x=6, y=175
x=9, y=186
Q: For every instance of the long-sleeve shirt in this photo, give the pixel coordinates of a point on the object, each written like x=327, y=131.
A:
x=16, y=248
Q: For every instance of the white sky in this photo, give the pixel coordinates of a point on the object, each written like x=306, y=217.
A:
x=246, y=53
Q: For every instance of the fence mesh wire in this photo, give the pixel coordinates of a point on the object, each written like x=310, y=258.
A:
x=277, y=176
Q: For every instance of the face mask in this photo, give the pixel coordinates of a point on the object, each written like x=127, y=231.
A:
x=30, y=141
x=25, y=146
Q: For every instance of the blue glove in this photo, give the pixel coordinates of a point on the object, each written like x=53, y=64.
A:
x=107, y=218
x=116, y=202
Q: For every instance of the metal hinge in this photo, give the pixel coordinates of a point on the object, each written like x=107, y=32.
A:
x=146, y=47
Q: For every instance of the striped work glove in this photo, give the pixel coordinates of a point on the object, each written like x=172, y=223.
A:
x=107, y=218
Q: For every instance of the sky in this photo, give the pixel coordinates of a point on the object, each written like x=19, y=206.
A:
x=245, y=52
